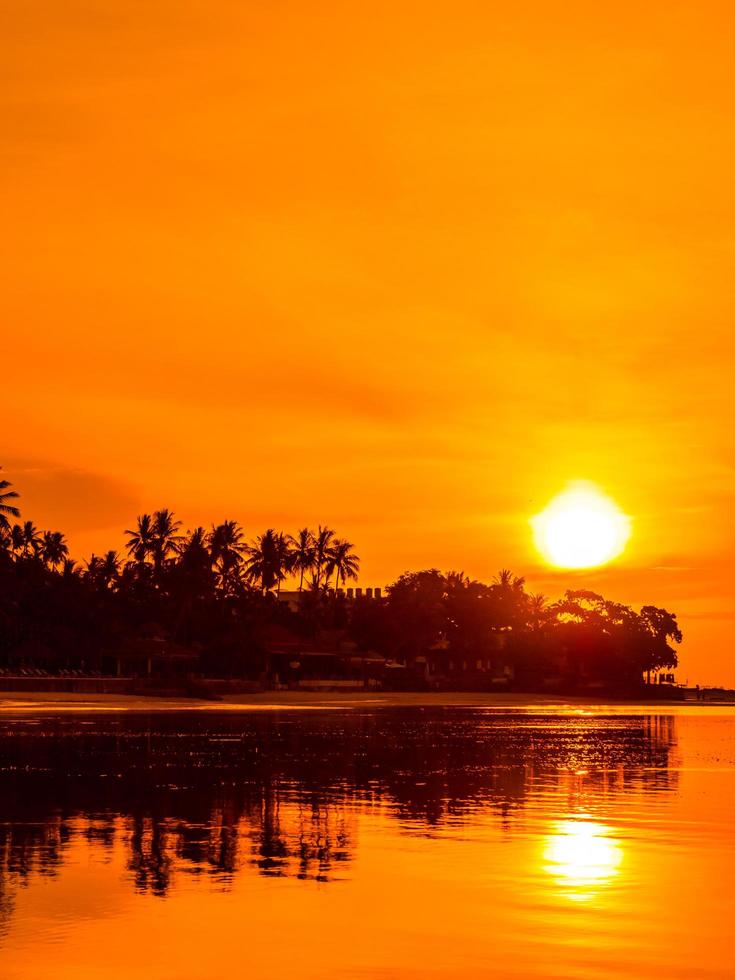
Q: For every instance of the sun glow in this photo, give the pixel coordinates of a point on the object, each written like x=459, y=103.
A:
x=581, y=528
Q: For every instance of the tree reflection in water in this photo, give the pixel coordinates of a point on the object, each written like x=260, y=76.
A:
x=282, y=793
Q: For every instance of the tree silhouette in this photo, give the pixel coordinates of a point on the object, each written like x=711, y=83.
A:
x=53, y=548
x=322, y=544
x=227, y=549
x=17, y=539
x=660, y=626
x=105, y=570
x=31, y=539
x=165, y=538
x=303, y=553
x=508, y=582
x=538, y=611
x=140, y=541
x=267, y=563
x=212, y=592
x=7, y=509
x=69, y=569
x=342, y=561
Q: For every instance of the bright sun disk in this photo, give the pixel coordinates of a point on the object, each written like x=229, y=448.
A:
x=581, y=528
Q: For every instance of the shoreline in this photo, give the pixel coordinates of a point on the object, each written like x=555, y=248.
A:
x=12, y=702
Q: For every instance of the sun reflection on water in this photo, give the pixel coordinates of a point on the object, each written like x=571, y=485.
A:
x=582, y=857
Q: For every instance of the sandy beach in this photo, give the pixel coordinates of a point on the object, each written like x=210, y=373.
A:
x=24, y=702
x=266, y=701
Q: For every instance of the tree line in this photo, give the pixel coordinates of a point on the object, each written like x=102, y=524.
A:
x=156, y=544
x=217, y=592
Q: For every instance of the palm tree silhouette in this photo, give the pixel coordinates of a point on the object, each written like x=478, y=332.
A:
x=104, y=571
x=53, y=548
x=69, y=568
x=193, y=580
x=512, y=600
x=110, y=567
x=343, y=561
x=538, y=610
x=93, y=564
x=193, y=551
x=165, y=538
x=192, y=554
x=140, y=541
x=226, y=538
x=456, y=582
x=32, y=540
x=322, y=542
x=303, y=553
x=226, y=547
x=285, y=557
x=17, y=539
x=507, y=581
x=267, y=560
x=193, y=540
x=6, y=509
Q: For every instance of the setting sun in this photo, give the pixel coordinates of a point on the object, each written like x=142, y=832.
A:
x=581, y=528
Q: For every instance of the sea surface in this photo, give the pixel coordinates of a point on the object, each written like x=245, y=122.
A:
x=420, y=842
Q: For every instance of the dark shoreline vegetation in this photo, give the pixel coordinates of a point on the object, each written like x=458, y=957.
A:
x=210, y=604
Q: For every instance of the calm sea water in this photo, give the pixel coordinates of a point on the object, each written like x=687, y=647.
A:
x=390, y=843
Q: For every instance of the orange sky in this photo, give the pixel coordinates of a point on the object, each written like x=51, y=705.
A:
x=403, y=268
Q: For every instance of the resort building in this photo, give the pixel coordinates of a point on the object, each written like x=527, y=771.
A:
x=294, y=598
